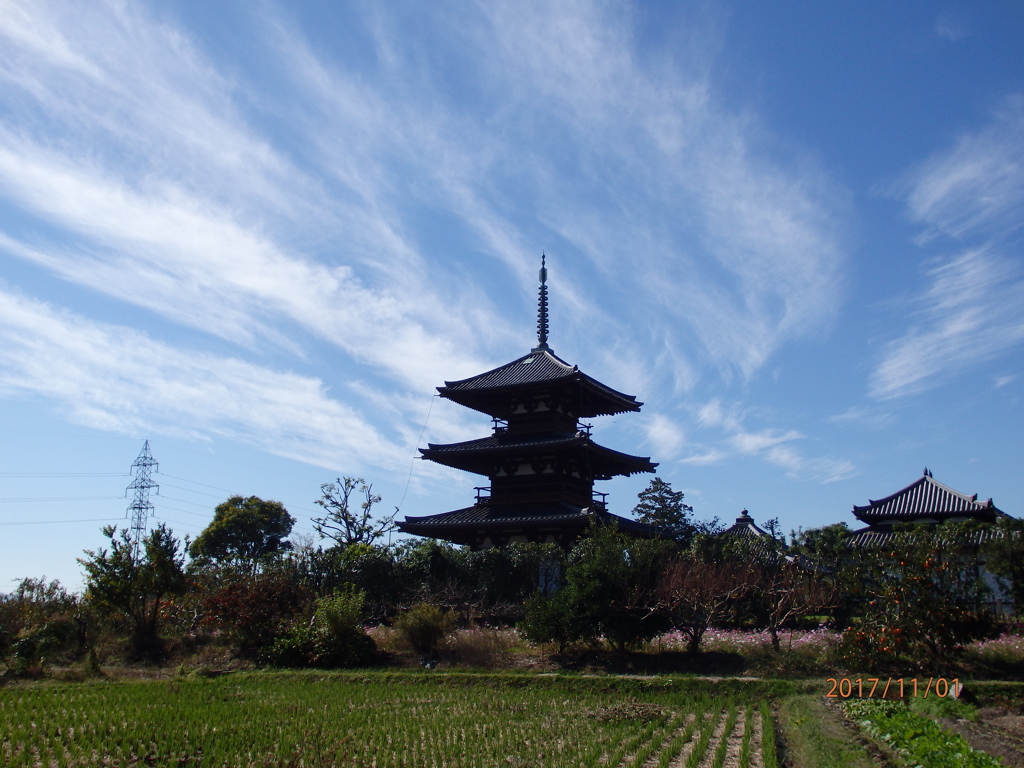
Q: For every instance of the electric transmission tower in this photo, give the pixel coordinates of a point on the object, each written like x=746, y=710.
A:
x=141, y=508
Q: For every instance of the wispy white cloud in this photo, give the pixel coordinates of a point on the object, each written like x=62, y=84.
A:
x=705, y=458
x=952, y=26
x=774, y=446
x=732, y=249
x=625, y=159
x=872, y=418
x=323, y=210
x=664, y=435
x=196, y=217
x=972, y=311
x=759, y=442
x=976, y=187
x=115, y=378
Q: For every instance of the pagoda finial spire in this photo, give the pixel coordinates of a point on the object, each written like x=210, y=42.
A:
x=542, y=308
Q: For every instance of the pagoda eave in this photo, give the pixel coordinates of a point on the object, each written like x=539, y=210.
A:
x=479, y=456
x=544, y=372
x=557, y=522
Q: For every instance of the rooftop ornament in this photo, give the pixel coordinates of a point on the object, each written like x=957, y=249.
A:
x=542, y=309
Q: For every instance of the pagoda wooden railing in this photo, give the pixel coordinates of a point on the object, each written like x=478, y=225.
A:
x=484, y=497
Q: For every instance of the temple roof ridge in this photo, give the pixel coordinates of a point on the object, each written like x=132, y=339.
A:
x=923, y=498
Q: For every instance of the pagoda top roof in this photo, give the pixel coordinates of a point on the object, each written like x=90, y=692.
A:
x=539, y=367
x=925, y=499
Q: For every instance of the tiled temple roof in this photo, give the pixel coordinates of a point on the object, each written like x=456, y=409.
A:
x=747, y=528
x=541, y=366
x=493, y=518
x=477, y=453
x=926, y=499
x=867, y=538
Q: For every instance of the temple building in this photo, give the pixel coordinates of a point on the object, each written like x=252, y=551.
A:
x=926, y=500
x=540, y=459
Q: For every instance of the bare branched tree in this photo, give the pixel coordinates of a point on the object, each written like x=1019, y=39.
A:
x=345, y=525
x=698, y=593
x=788, y=590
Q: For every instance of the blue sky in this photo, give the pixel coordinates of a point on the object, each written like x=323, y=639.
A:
x=259, y=235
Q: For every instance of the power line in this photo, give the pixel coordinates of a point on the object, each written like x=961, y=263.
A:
x=189, y=490
x=194, y=482
x=63, y=474
x=63, y=498
x=217, y=496
x=184, y=501
x=184, y=511
x=52, y=522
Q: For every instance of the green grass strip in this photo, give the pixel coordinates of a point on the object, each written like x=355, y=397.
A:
x=723, y=744
x=707, y=731
x=769, y=757
x=748, y=729
x=676, y=745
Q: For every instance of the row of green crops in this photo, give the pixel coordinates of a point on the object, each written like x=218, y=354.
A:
x=278, y=720
x=916, y=737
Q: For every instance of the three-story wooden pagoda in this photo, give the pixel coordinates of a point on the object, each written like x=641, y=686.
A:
x=540, y=459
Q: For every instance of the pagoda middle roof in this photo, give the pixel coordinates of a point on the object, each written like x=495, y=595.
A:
x=475, y=455
x=926, y=498
x=541, y=367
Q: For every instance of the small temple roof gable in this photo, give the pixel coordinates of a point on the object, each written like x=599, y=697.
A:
x=747, y=528
x=926, y=499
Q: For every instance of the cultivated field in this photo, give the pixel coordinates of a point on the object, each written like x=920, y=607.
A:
x=387, y=720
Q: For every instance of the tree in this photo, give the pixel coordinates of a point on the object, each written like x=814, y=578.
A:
x=922, y=591
x=118, y=584
x=785, y=590
x=826, y=551
x=38, y=620
x=609, y=592
x=663, y=508
x=245, y=531
x=1004, y=557
x=343, y=524
x=702, y=586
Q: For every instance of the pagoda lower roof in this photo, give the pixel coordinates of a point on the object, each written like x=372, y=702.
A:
x=926, y=499
x=484, y=518
x=478, y=455
x=490, y=392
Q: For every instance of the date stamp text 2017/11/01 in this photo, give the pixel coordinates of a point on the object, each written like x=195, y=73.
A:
x=894, y=688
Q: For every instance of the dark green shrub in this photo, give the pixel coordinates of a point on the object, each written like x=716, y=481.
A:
x=333, y=637
x=609, y=591
x=423, y=626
